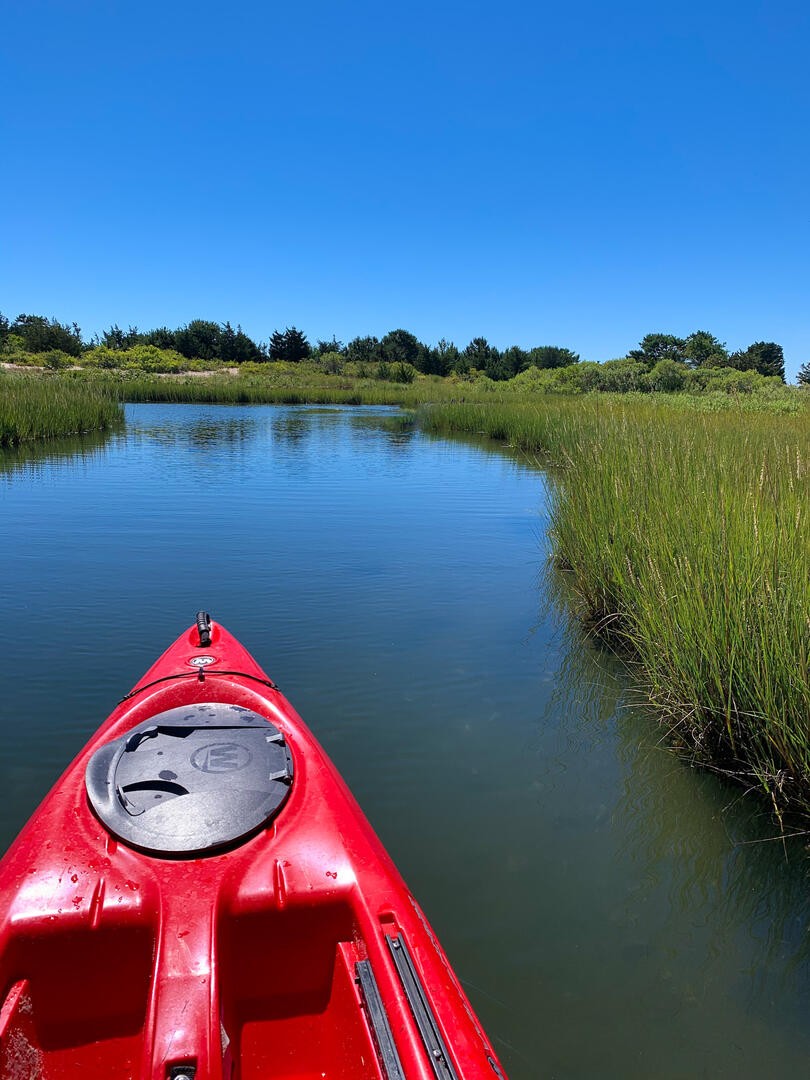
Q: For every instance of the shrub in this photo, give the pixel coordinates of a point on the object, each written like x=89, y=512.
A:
x=578, y=378
x=151, y=358
x=103, y=357
x=534, y=380
x=731, y=380
x=331, y=362
x=668, y=376
x=622, y=376
x=18, y=357
x=56, y=359
x=403, y=372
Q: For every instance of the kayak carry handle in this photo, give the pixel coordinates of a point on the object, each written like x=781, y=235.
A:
x=204, y=628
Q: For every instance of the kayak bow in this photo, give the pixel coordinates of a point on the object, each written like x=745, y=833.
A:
x=199, y=897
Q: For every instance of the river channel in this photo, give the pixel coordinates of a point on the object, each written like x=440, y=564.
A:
x=610, y=912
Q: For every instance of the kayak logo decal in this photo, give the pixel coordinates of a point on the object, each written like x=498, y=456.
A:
x=202, y=661
x=220, y=758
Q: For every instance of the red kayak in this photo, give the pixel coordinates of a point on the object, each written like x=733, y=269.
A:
x=200, y=898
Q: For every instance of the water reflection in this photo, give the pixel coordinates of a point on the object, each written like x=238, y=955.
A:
x=699, y=896
x=293, y=428
x=716, y=857
x=398, y=427
x=610, y=910
x=723, y=848
x=225, y=431
x=36, y=455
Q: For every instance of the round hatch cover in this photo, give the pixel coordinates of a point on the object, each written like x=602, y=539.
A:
x=191, y=779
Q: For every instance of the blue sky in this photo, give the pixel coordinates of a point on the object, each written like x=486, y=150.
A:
x=536, y=173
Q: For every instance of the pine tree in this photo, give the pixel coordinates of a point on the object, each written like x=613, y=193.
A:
x=292, y=345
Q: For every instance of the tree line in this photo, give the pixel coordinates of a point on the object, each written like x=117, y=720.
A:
x=202, y=339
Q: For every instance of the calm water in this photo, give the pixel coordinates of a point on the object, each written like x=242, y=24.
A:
x=610, y=912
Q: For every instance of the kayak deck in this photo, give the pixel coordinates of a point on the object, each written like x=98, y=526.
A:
x=292, y=950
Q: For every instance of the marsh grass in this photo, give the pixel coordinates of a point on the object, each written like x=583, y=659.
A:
x=37, y=406
x=276, y=385
x=398, y=423
x=687, y=540
x=681, y=521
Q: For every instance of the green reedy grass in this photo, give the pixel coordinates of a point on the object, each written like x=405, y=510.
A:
x=35, y=406
x=687, y=540
x=681, y=519
x=273, y=388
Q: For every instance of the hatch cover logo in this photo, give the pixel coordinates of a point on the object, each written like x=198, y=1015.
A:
x=202, y=661
x=220, y=758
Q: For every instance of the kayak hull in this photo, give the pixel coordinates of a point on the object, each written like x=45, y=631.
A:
x=295, y=951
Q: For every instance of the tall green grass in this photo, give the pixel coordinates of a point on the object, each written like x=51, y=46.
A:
x=272, y=388
x=682, y=521
x=36, y=406
x=687, y=539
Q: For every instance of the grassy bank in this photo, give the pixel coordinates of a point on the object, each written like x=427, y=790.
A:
x=275, y=384
x=682, y=520
x=687, y=539
x=36, y=406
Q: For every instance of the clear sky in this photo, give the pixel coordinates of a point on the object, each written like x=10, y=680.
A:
x=536, y=173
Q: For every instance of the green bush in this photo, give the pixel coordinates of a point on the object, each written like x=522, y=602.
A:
x=18, y=357
x=402, y=373
x=578, y=378
x=251, y=368
x=102, y=357
x=148, y=358
x=14, y=344
x=623, y=376
x=332, y=363
x=56, y=359
x=668, y=376
x=534, y=380
x=731, y=380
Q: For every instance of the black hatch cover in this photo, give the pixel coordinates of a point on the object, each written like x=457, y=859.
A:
x=191, y=779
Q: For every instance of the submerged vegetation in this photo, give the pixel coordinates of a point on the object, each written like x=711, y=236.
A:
x=687, y=540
